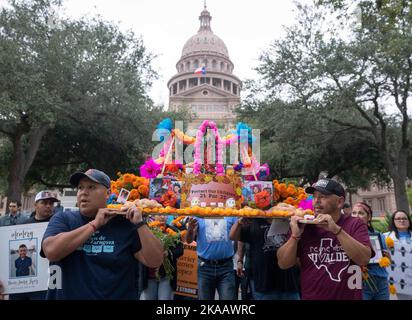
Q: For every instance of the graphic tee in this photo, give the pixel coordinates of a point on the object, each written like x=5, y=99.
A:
x=104, y=267
x=327, y=273
x=213, y=241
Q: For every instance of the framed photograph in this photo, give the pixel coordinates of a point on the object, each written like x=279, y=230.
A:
x=253, y=191
x=123, y=196
x=22, y=269
x=166, y=191
x=377, y=246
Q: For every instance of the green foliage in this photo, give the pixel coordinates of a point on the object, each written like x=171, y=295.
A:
x=334, y=93
x=409, y=194
x=169, y=242
x=79, y=87
x=380, y=224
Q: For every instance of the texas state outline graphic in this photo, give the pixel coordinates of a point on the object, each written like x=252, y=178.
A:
x=328, y=243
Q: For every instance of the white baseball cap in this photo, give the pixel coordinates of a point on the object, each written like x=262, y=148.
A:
x=45, y=194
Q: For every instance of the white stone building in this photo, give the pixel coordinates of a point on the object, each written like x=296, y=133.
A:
x=212, y=95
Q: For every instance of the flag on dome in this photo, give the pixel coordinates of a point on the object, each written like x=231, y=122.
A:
x=201, y=70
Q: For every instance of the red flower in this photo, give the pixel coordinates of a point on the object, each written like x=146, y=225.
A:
x=169, y=199
x=262, y=199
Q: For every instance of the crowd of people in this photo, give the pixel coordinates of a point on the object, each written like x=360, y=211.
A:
x=323, y=261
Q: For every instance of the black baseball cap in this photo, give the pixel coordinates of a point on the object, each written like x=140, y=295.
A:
x=93, y=174
x=327, y=186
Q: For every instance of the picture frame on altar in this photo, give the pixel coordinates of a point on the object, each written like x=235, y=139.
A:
x=251, y=188
x=166, y=190
x=123, y=196
x=211, y=191
x=377, y=246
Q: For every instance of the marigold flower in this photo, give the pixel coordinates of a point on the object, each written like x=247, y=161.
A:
x=389, y=242
x=392, y=289
x=384, y=262
x=143, y=190
x=134, y=195
x=127, y=178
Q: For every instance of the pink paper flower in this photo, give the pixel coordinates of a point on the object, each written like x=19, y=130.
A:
x=150, y=169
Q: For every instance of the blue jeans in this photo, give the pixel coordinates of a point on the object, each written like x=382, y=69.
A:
x=157, y=290
x=216, y=277
x=381, y=292
x=273, y=295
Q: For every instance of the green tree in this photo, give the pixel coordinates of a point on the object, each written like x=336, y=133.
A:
x=354, y=71
x=64, y=78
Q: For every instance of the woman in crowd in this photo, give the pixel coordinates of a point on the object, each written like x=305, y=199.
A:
x=375, y=283
x=400, y=232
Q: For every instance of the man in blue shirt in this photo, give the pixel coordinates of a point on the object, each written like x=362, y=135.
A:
x=215, y=253
x=14, y=216
x=23, y=262
x=95, y=249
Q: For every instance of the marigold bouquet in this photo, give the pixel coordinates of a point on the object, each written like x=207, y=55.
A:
x=170, y=239
x=288, y=193
x=138, y=186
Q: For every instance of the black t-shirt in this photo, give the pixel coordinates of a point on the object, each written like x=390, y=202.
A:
x=265, y=272
x=104, y=267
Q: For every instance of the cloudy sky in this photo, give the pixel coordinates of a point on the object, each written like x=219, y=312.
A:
x=247, y=28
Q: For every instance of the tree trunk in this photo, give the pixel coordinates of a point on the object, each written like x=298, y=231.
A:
x=21, y=161
x=400, y=193
x=15, y=178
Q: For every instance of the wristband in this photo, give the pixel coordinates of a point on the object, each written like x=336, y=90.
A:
x=295, y=238
x=340, y=229
x=240, y=261
x=93, y=226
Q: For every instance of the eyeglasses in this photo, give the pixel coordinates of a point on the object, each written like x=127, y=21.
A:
x=359, y=214
x=401, y=219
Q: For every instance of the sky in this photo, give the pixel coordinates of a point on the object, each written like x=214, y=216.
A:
x=247, y=28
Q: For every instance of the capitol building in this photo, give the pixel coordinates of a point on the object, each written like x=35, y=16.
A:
x=214, y=92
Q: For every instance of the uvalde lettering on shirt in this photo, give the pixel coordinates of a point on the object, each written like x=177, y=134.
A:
x=328, y=257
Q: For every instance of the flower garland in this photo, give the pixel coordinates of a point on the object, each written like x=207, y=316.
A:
x=153, y=167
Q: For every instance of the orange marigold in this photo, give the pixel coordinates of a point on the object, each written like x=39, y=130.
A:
x=134, y=195
x=127, y=178
x=143, y=190
x=384, y=262
x=389, y=242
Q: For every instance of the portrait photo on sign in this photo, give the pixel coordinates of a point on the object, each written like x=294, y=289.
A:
x=23, y=258
x=377, y=246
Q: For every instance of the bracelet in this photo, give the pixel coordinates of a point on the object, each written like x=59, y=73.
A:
x=240, y=261
x=340, y=229
x=93, y=226
x=296, y=238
